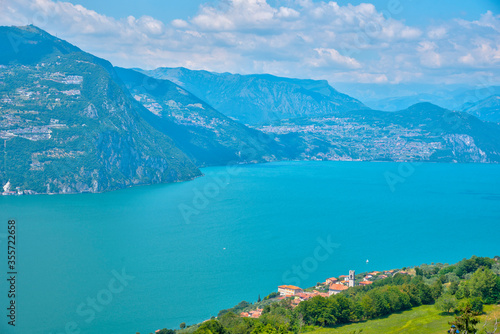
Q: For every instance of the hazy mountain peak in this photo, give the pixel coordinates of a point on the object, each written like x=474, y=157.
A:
x=428, y=106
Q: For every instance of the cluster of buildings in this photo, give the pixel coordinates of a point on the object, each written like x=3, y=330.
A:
x=368, y=140
x=63, y=78
x=333, y=284
x=252, y=314
x=182, y=114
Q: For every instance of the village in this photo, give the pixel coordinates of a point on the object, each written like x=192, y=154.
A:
x=370, y=141
x=331, y=286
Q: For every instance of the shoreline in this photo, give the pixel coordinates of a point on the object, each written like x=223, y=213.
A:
x=418, y=162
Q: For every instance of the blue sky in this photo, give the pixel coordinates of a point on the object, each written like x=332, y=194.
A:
x=373, y=42
x=416, y=12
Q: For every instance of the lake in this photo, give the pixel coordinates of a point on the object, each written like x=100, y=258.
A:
x=150, y=257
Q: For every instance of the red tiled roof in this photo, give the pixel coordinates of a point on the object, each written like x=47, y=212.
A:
x=338, y=287
x=291, y=287
x=366, y=283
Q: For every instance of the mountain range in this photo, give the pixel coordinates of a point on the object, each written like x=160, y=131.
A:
x=481, y=102
x=260, y=99
x=422, y=132
x=207, y=136
x=71, y=122
x=68, y=124
x=487, y=109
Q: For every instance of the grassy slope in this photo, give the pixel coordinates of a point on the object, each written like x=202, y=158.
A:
x=423, y=319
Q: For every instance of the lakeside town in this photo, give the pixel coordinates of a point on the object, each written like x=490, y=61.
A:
x=331, y=286
x=354, y=137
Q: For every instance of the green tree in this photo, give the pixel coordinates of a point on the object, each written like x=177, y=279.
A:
x=400, y=279
x=237, y=309
x=267, y=329
x=471, y=265
x=380, y=302
x=166, y=331
x=463, y=290
x=345, y=308
x=447, y=303
x=318, y=311
x=272, y=295
x=447, y=270
x=484, y=284
x=425, y=293
x=182, y=325
x=236, y=324
x=368, y=306
x=466, y=320
x=436, y=289
x=453, y=288
x=412, y=291
x=476, y=304
x=496, y=268
x=211, y=326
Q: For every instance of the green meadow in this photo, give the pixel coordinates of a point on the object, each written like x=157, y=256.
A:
x=425, y=319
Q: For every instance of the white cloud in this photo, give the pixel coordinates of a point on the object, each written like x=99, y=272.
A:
x=285, y=12
x=489, y=20
x=239, y=14
x=301, y=38
x=468, y=59
x=428, y=55
x=483, y=55
x=332, y=56
x=437, y=33
x=180, y=23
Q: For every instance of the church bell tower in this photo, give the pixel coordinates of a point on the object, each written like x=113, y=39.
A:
x=351, y=278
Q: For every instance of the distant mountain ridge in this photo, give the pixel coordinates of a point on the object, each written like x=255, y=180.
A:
x=71, y=122
x=487, y=109
x=422, y=132
x=481, y=102
x=260, y=98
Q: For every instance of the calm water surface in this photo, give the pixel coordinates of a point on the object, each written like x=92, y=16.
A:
x=193, y=248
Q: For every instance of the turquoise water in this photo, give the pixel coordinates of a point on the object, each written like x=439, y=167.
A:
x=191, y=255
